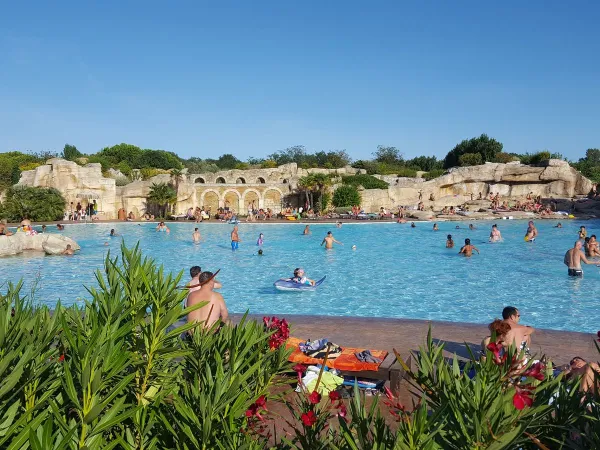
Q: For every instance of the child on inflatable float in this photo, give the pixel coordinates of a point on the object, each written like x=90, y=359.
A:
x=300, y=278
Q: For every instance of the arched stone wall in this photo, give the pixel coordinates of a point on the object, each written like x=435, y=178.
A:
x=261, y=180
x=252, y=195
x=200, y=180
x=233, y=200
x=220, y=180
x=240, y=180
x=272, y=198
x=210, y=199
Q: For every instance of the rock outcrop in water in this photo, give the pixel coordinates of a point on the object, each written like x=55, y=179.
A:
x=51, y=244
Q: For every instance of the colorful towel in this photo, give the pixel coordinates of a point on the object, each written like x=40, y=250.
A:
x=347, y=361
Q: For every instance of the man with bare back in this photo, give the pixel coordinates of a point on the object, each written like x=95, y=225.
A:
x=573, y=259
x=215, y=310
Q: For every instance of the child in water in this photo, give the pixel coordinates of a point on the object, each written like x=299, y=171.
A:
x=449, y=242
x=300, y=278
x=260, y=239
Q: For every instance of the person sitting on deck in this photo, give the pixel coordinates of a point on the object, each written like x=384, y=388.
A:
x=498, y=328
x=518, y=335
x=215, y=310
x=589, y=373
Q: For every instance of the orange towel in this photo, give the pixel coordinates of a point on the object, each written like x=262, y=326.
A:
x=346, y=361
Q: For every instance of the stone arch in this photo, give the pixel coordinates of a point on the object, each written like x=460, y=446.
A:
x=210, y=200
x=200, y=180
x=233, y=200
x=261, y=180
x=252, y=195
x=272, y=198
x=220, y=180
x=240, y=180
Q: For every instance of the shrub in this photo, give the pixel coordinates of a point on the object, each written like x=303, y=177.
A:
x=502, y=157
x=268, y=164
x=407, y=172
x=71, y=153
x=535, y=158
x=470, y=159
x=34, y=203
x=366, y=181
x=346, y=195
x=434, y=174
x=29, y=166
x=149, y=172
x=116, y=372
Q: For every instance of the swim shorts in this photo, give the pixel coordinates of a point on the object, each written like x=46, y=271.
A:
x=234, y=245
x=575, y=272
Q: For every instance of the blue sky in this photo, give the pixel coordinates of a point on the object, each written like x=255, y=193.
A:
x=251, y=78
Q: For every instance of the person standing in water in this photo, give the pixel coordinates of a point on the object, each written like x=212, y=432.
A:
x=306, y=230
x=215, y=309
x=260, y=240
x=329, y=240
x=196, y=236
x=449, y=242
x=467, y=249
x=573, y=259
x=235, y=238
x=531, y=232
x=495, y=235
x=435, y=227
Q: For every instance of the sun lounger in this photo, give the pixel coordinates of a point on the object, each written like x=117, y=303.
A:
x=347, y=363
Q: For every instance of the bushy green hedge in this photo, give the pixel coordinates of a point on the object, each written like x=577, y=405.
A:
x=366, y=181
x=434, y=174
x=407, y=172
x=33, y=203
x=346, y=195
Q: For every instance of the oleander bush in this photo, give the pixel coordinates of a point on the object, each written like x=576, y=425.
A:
x=34, y=203
x=122, y=371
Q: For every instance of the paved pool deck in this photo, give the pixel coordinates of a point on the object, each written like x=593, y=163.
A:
x=408, y=334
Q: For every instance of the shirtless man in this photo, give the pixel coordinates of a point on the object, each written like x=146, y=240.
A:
x=68, y=250
x=306, y=229
x=196, y=236
x=212, y=312
x=531, y=232
x=329, y=240
x=467, y=249
x=519, y=335
x=235, y=238
x=449, y=242
x=495, y=235
x=4, y=231
x=573, y=259
x=194, y=283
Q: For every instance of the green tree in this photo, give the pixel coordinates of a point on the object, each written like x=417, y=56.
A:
x=366, y=181
x=388, y=155
x=425, y=163
x=470, y=159
x=162, y=195
x=346, y=195
x=484, y=145
x=308, y=185
x=227, y=161
x=33, y=203
x=71, y=153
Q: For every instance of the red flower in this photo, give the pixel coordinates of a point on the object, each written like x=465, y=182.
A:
x=535, y=371
x=522, y=398
x=61, y=358
x=314, y=397
x=342, y=410
x=334, y=395
x=309, y=418
x=299, y=369
x=261, y=402
x=496, y=349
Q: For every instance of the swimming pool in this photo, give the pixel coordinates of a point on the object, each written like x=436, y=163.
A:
x=395, y=271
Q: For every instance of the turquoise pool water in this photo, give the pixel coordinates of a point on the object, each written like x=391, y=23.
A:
x=395, y=271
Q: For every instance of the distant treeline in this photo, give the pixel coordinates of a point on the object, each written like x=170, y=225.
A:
x=385, y=160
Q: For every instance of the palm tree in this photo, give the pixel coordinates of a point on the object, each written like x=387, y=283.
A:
x=322, y=183
x=177, y=175
x=162, y=195
x=308, y=185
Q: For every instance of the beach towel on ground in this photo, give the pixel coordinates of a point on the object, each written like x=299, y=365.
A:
x=347, y=360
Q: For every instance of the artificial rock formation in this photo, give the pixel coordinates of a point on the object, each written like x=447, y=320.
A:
x=272, y=188
x=51, y=244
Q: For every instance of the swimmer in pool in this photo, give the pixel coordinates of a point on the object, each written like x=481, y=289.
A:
x=68, y=250
x=573, y=259
x=300, y=278
x=260, y=252
x=196, y=236
x=162, y=227
x=338, y=224
x=467, y=249
x=235, y=238
x=329, y=240
x=412, y=225
x=261, y=239
x=306, y=229
x=472, y=227
x=113, y=233
x=531, y=233
x=449, y=242
x=495, y=235
x=457, y=227
x=435, y=227
x=558, y=225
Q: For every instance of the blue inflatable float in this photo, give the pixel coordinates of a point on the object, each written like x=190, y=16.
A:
x=286, y=285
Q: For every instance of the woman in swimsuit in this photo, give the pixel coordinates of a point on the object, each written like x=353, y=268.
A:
x=260, y=239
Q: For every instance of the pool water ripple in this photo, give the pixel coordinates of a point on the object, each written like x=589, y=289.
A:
x=395, y=271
